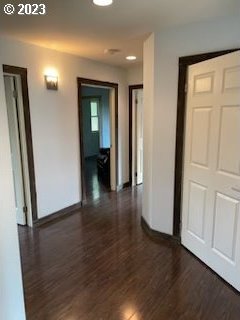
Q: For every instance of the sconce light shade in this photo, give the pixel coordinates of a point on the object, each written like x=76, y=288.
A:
x=51, y=82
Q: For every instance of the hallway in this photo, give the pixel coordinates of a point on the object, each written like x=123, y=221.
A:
x=98, y=264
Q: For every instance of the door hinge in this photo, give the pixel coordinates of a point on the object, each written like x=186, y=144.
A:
x=186, y=88
x=25, y=209
x=15, y=94
x=136, y=101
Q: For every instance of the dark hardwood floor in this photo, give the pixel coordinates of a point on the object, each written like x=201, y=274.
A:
x=94, y=187
x=98, y=264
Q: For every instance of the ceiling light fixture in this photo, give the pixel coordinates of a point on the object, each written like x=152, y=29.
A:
x=112, y=51
x=131, y=58
x=103, y=3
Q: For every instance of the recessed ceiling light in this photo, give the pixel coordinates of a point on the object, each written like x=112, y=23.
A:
x=131, y=58
x=103, y=3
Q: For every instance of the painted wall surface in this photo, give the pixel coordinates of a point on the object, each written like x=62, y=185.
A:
x=148, y=110
x=135, y=74
x=54, y=117
x=91, y=140
x=161, y=98
x=104, y=112
x=11, y=289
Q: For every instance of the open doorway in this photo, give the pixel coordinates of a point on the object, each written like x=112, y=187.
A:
x=98, y=109
x=136, y=135
x=16, y=92
x=96, y=140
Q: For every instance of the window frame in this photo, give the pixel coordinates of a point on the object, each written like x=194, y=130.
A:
x=95, y=116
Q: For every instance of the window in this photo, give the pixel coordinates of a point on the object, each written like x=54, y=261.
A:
x=94, y=117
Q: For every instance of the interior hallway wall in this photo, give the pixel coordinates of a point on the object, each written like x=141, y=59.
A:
x=135, y=74
x=54, y=117
x=161, y=53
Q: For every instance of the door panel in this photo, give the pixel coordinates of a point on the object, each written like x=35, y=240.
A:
x=137, y=137
x=201, y=127
x=139, y=112
x=231, y=79
x=224, y=226
x=196, y=211
x=228, y=162
x=114, y=137
x=203, y=83
x=15, y=149
x=211, y=184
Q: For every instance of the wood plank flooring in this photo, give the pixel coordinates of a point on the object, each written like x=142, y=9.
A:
x=98, y=264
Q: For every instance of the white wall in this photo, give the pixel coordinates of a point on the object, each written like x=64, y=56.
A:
x=54, y=117
x=135, y=74
x=164, y=49
x=11, y=290
x=148, y=111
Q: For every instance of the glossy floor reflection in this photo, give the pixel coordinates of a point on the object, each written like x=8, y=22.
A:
x=98, y=264
x=94, y=187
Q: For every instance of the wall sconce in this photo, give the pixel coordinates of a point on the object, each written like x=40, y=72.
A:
x=51, y=79
x=51, y=82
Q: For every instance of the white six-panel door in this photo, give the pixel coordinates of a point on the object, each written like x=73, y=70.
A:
x=139, y=111
x=211, y=183
x=16, y=154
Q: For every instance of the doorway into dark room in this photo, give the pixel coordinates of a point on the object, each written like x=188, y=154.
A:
x=96, y=140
